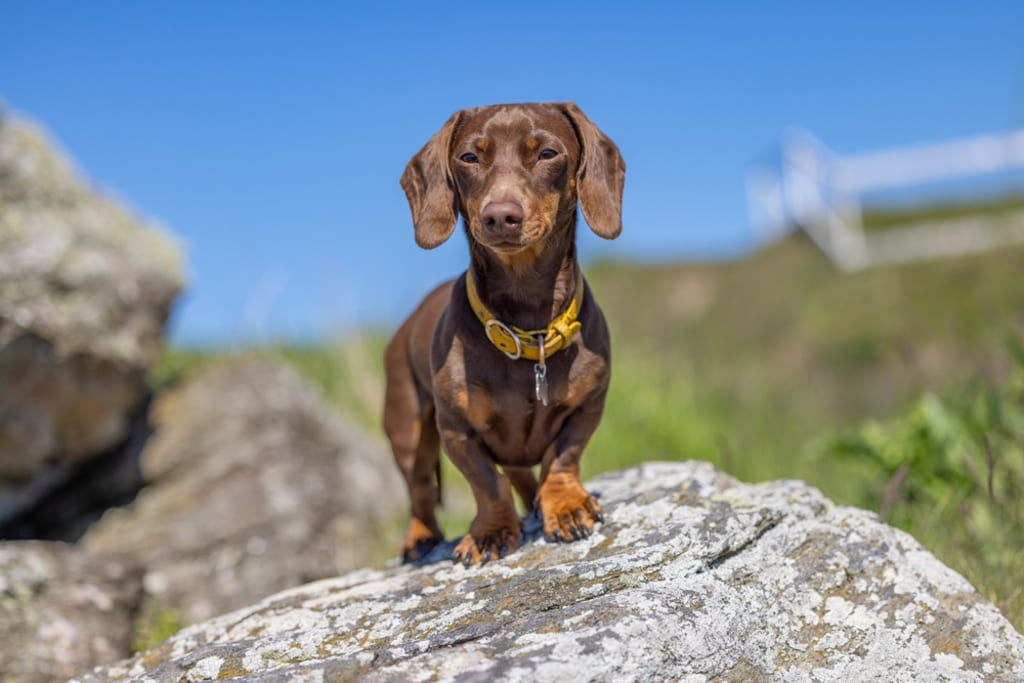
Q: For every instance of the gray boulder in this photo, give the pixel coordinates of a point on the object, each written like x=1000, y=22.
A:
x=61, y=612
x=85, y=290
x=253, y=485
x=694, y=576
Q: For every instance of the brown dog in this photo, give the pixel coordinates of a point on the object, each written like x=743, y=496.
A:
x=508, y=364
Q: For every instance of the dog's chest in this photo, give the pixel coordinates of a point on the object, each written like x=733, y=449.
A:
x=518, y=432
x=513, y=423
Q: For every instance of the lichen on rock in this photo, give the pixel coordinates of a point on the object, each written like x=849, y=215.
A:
x=61, y=610
x=693, y=576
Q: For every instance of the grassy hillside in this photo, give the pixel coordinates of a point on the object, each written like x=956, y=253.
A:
x=993, y=208
x=759, y=356
x=763, y=366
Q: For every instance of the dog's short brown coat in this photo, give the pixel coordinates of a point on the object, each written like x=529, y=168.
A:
x=514, y=173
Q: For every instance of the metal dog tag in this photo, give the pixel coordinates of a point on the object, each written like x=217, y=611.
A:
x=540, y=382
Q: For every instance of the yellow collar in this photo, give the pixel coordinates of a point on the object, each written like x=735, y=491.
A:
x=515, y=342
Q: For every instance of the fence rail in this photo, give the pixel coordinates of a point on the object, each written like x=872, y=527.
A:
x=812, y=188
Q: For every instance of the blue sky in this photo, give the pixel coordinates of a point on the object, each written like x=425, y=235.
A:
x=269, y=137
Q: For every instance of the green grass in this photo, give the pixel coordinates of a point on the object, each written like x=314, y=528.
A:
x=767, y=353
x=349, y=375
x=993, y=208
x=154, y=624
x=954, y=469
x=754, y=365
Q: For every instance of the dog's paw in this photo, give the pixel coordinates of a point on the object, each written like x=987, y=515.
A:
x=492, y=546
x=568, y=511
x=419, y=549
x=419, y=541
x=495, y=531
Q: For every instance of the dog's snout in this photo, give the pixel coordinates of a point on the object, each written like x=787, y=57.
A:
x=506, y=215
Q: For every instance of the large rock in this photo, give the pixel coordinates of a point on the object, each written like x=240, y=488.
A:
x=693, y=576
x=85, y=290
x=61, y=612
x=254, y=486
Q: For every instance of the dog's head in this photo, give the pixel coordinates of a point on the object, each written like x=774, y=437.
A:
x=515, y=173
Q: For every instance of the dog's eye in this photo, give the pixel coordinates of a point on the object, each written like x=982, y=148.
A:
x=469, y=158
x=548, y=154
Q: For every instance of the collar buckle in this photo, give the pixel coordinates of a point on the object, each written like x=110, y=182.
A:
x=504, y=338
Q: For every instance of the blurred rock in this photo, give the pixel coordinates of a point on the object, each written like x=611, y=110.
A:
x=254, y=486
x=61, y=612
x=86, y=490
x=693, y=577
x=85, y=290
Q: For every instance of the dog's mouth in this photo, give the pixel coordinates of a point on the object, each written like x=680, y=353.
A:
x=509, y=241
x=505, y=245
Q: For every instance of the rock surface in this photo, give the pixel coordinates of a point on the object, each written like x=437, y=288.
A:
x=692, y=577
x=85, y=290
x=254, y=486
x=61, y=612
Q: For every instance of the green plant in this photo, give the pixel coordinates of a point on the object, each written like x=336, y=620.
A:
x=175, y=364
x=154, y=624
x=955, y=479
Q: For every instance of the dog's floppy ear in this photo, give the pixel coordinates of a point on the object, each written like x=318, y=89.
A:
x=430, y=189
x=600, y=177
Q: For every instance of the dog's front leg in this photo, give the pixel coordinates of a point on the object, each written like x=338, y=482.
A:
x=568, y=511
x=496, y=529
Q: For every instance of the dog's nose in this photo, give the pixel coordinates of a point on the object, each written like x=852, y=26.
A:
x=507, y=215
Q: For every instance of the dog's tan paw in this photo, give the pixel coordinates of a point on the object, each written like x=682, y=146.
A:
x=492, y=535
x=470, y=551
x=568, y=511
x=419, y=541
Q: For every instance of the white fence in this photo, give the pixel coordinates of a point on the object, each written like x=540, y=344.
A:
x=822, y=193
